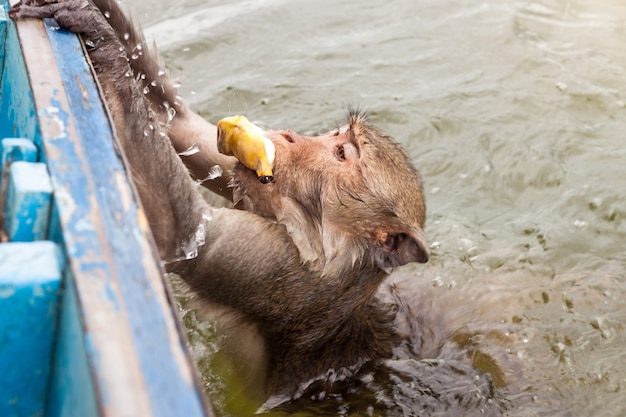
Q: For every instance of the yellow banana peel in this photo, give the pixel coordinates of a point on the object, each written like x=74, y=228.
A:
x=238, y=137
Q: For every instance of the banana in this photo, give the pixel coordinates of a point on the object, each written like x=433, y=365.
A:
x=237, y=137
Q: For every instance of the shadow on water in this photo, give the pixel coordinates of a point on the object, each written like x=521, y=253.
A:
x=515, y=113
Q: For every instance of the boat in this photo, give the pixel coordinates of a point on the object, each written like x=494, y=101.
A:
x=88, y=325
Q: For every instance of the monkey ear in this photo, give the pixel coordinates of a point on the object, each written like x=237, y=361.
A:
x=396, y=248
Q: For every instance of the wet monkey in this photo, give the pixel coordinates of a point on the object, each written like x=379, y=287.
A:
x=303, y=261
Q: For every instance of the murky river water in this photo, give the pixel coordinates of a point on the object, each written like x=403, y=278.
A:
x=514, y=112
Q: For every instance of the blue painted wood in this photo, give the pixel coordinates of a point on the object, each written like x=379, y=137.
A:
x=29, y=194
x=71, y=392
x=170, y=393
x=17, y=109
x=29, y=286
x=17, y=149
x=131, y=348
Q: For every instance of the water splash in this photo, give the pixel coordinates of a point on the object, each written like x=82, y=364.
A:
x=215, y=171
x=190, y=249
x=192, y=150
x=171, y=111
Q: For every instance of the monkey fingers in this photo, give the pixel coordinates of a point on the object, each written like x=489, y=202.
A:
x=26, y=10
x=74, y=15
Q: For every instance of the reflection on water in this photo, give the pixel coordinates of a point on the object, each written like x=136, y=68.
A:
x=514, y=112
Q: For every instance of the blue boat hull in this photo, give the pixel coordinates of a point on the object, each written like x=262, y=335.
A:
x=87, y=324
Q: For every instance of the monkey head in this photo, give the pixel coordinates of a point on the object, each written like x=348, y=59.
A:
x=351, y=192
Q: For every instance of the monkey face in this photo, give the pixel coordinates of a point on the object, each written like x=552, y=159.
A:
x=353, y=181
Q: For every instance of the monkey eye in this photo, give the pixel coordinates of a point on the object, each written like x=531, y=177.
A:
x=336, y=133
x=340, y=153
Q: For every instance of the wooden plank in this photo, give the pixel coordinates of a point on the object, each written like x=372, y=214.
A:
x=71, y=392
x=29, y=288
x=16, y=149
x=28, y=199
x=135, y=348
x=16, y=102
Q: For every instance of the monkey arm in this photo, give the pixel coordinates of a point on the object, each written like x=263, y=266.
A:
x=186, y=128
x=181, y=221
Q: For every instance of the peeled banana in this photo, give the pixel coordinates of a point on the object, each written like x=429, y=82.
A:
x=247, y=142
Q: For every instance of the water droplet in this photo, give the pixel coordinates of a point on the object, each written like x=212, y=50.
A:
x=146, y=90
x=107, y=14
x=128, y=73
x=581, y=223
x=139, y=47
x=126, y=36
x=190, y=249
x=561, y=86
x=186, y=49
x=214, y=172
x=153, y=83
x=161, y=73
x=171, y=112
x=192, y=150
x=134, y=56
x=90, y=44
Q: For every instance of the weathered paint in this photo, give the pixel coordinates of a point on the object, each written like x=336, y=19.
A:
x=71, y=392
x=16, y=100
x=29, y=285
x=145, y=308
x=28, y=199
x=16, y=149
x=133, y=344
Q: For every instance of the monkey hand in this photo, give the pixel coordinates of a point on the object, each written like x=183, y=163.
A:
x=247, y=142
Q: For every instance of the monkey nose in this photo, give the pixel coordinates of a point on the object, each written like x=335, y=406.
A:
x=290, y=136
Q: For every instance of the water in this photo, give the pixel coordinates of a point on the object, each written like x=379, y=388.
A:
x=514, y=112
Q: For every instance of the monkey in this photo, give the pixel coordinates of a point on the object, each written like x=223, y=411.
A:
x=301, y=259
